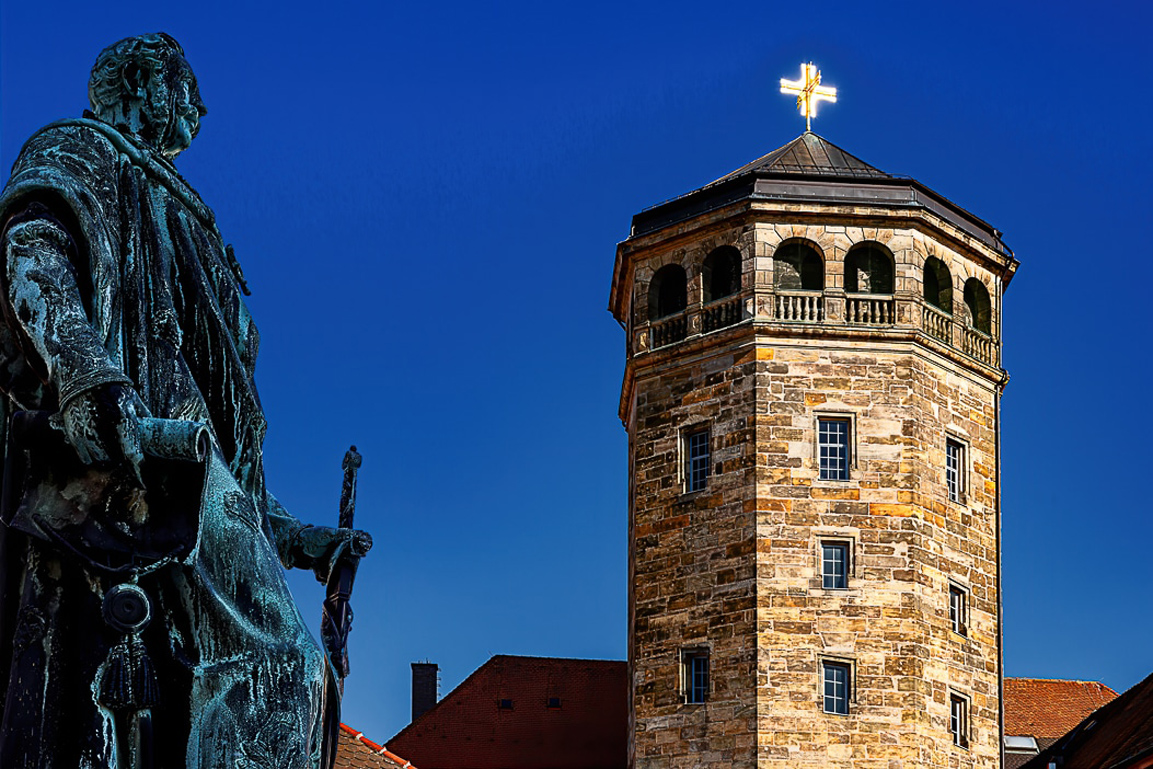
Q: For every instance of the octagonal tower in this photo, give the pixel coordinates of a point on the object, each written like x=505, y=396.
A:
x=811, y=393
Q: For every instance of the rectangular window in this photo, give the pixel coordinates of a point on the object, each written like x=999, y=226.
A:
x=695, y=675
x=959, y=720
x=955, y=469
x=958, y=610
x=836, y=679
x=833, y=448
x=835, y=565
x=696, y=454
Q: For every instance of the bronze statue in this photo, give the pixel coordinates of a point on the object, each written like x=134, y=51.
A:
x=144, y=616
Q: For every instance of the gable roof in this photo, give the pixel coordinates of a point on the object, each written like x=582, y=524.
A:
x=469, y=729
x=355, y=751
x=1040, y=707
x=810, y=155
x=1118, y=735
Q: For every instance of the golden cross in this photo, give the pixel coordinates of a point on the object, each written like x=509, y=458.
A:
x=809, y=91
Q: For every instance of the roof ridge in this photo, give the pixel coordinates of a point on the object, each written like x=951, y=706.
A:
x=1062, y=681
x=560, y=659
x=380, y=750
x=813, y=154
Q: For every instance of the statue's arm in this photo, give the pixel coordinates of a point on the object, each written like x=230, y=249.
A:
x=94, y=395
x=318, y=548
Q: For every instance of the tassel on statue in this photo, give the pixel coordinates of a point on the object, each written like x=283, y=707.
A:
x=128, y=684
x=128, y=681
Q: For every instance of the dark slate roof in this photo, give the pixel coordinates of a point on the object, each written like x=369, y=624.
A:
x=811, y=168
x=810, y=155
x=1118, y=735
x=469, y=729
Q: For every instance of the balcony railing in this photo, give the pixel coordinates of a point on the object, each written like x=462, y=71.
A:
x=800, y=306
x=669, y=330
x=809, y=307
x=937, y=323
x=725, y=312
x=981, y=346
x=870, y=309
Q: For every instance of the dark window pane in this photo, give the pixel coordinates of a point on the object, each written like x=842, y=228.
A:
x=668, y=292
x=697, y=460
x=958, y=721
x=868, y=270
x=977, y=302
x=953, y=466
x=938, y=285
x=958, y=610
x=836, y=680
x=835, y=565
x=696, y=675
x=833, y=449
x=721, y=273
x=798, y=266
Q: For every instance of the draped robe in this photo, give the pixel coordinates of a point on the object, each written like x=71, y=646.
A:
x=115, y=273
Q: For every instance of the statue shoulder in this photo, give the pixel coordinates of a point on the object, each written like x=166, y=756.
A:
x=71, y=163
x=72, y=139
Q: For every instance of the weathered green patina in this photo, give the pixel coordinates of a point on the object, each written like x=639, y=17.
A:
x=144, y=616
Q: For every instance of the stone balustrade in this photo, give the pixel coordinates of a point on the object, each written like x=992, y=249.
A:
x=870, y=309
x=800, y=306
x=937, y=323
x=813, y=307
x=669, y=330
x=722, y=313
x=981, y=346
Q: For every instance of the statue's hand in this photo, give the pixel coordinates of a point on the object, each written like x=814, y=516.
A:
x=102, y=425
x=322, y=548
x=359, y=542
x=347, y=544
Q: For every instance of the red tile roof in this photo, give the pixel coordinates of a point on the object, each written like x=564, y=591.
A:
x=1040, y=707
x=1118, y=735
x=355, y=751
x=585, y=728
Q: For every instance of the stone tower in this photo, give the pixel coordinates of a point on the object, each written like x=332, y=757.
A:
x=811, y=393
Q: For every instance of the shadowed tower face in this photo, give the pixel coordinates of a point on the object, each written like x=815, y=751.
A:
x=811, y=394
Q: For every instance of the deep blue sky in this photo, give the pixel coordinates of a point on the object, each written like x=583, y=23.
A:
x=426, y=199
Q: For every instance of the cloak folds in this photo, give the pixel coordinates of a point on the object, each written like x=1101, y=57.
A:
x=114, y=272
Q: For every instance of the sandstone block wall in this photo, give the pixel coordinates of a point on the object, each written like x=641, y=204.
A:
x=736, y=568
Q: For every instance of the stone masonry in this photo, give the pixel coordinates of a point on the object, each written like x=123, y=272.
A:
x=735, y=568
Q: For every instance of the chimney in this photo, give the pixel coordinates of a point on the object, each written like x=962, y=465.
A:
x=425, y=687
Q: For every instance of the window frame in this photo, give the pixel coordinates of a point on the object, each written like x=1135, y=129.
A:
x=959, y=720
x=688, y=434
x=691, y=693
x=847, y=562
x=959, y=621
x=957, y=492
x=828, y=664
x=850, y=460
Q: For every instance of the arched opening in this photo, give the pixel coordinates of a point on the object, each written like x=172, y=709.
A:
x=798, y=266
x=938, y=285
x=868, y=270
x=668, y=292
x=721, y=273
x=977, y=301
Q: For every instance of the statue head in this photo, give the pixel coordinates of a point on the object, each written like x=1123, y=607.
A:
x=143, y=85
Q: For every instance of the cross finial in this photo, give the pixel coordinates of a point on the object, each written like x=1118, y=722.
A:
x=809, y=91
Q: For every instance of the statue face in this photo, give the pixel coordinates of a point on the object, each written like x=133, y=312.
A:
x=176, y=101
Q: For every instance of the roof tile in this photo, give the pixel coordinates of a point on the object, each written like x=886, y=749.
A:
x=1041, y=707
